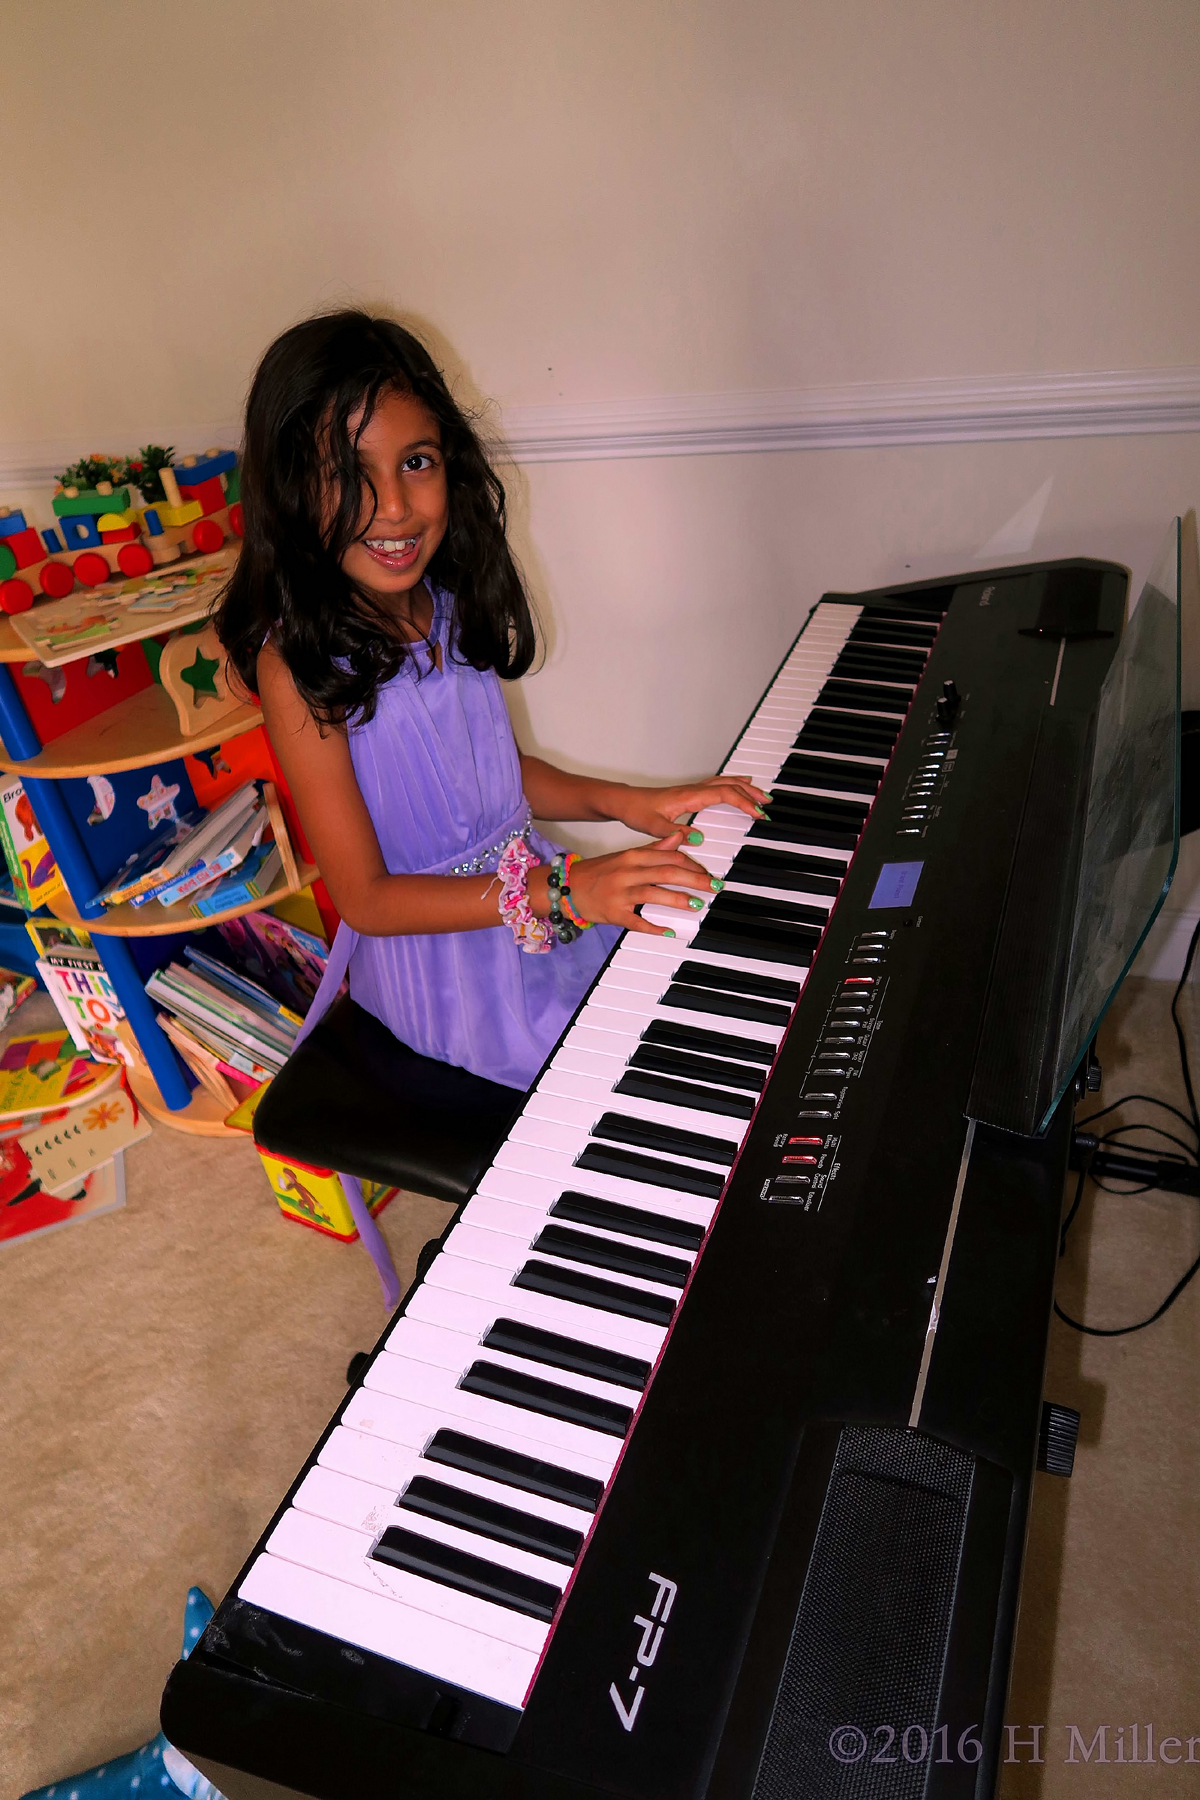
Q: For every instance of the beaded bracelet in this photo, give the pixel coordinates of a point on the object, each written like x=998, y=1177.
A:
x=568, y=905
x=565, y=922
x=532, y=934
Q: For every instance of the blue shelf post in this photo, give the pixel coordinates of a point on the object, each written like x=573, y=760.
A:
x=21, y=742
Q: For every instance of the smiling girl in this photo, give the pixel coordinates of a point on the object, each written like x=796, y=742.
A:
x=375, y=609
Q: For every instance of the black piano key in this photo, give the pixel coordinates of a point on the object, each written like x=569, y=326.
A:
x=560, y=1352
x=826, y=771
x=877, y=662
x=665, y=1060
x=648, y=1134
x=640, y=1085
x=458, y=1450
x=507, y=1524
x=469, y=1574
x=623, y=1259
x=630, y=1165
x=611, y=1215
x=591, y=1290
x=865, y=696
x=738, y=981
x=786, y=869
x=717, y=1043
x=892, y=632
x=791, y=831
x=514, y=1388
x=726, y=1006
x=765, y=943
x=734, y=907
x=849, y=734
x=817, y=809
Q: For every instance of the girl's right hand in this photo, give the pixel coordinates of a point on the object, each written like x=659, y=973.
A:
x=605, y=889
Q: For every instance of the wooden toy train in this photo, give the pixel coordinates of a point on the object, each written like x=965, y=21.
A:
x=98, y=532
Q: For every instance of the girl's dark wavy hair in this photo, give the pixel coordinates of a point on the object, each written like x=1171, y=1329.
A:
x=338, y=643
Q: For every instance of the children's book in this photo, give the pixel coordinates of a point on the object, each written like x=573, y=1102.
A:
x=49, y=935
x=239, y=987
x=214, y=863
x=64, y=1150
x=31, y=863
x=78, y=984
x=28, y=1211
x=283, y=957
x=149, y=866
x=215, y=1019
x=251, y=882
x=46, y=1070
x=14, y=988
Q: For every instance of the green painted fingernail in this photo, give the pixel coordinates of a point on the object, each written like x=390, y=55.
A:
x=760, y=812
x=695, y=837
x=668, y=932
x=694, y=901
x=716, y=884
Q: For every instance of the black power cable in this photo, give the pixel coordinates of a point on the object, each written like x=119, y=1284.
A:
x=1174, y=1169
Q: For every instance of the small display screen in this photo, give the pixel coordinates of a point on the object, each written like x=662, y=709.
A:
x=896, y=885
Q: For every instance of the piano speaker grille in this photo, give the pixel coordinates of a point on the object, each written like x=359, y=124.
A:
x=869, y=1641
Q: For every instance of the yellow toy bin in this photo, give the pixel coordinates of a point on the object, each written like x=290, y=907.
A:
x=315, y=1197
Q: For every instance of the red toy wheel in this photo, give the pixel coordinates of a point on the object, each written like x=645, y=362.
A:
x=15, y=595
x=91, y=569
x=56, y=580
x=207, y=536
x=134, y=559
x=237, y=519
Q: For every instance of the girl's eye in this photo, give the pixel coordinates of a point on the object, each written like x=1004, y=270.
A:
x=414, y=464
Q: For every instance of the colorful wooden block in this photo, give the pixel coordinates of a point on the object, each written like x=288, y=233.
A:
x=80, y=532
x=8, y=563
x=195, y=469
x=25, y=547
x=11, y=523
x=208, y=495
x=193, y=671
x=90, y=500
x=52, y=540
x=120, y=534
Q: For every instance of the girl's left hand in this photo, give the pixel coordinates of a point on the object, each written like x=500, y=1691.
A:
x=656, y=811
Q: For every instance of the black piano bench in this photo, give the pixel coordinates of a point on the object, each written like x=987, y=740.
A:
x=354, y=1098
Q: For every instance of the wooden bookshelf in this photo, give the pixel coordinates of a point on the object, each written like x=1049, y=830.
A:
x=134, y=733
x=159, y=921
x=204, y=1116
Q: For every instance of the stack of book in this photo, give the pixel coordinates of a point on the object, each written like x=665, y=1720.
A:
x=230, y=1031
x=195, y=861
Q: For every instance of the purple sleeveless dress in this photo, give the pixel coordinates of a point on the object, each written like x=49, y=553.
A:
x=439, y=771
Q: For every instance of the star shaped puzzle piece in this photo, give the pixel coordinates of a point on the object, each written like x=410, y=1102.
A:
x=201, y=674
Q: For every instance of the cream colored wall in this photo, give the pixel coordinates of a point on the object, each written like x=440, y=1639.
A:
x=591, y=198
x=619, y=198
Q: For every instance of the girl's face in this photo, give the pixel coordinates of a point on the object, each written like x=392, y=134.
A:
x=401, y=451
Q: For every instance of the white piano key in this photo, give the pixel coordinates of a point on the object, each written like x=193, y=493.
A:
x=335, y=1549
x=527, y=1190
x=436, y=1388
x=457, y=1350
x=501, y=1251
x=387, y=1626
x=584, y=1113
x=484, y=1281
x=464, y=1311
x=333, y=1492
x=414, y=1423
x=506, y=1556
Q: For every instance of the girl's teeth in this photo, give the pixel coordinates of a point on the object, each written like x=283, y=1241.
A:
x=391, y=546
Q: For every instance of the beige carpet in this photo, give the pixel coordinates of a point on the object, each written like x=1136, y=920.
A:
x=166, y=1369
